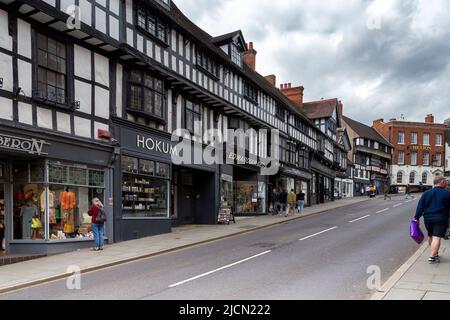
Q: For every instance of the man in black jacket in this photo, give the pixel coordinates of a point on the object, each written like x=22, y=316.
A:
x=434, y=206
x=283, y=201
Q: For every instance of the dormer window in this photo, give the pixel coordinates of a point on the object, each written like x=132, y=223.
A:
x=150, y=24
x=236, y=55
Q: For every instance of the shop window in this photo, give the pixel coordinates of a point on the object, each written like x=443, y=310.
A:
x=145, y=188
x=226, y=191
x=54, y=209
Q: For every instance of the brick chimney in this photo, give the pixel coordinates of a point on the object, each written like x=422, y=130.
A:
x=250, y=56
x=294, y=94
x=272, y=79
x=429, y=119
x=340, y=108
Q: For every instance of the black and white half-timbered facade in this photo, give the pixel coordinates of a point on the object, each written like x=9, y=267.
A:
x=90, y=94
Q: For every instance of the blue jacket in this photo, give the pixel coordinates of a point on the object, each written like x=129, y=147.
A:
x=434, y=205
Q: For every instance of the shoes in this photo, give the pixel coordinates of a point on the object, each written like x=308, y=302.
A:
x=95, y=249
x=101, y=249
x=434, y=260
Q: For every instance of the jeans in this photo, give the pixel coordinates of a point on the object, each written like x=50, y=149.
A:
x=99, y=235
x=283, y=208
x=300, y=205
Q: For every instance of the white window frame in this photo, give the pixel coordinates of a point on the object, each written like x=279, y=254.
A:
x=401, y=138
x=402, y=158
x=426, y=142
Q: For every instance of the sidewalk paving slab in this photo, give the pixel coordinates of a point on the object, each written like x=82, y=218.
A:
x=13, y=277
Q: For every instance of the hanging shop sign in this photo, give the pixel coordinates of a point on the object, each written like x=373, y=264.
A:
x=31, y=146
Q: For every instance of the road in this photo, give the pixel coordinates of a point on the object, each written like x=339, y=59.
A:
x=325, y=256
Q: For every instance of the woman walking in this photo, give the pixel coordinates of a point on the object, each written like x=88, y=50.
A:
x=98, y=227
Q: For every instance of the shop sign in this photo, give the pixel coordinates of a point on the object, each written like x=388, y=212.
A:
x=156, y=145
x=31, y=146
x=246, y=160
x=420, y=148
x=297, y=173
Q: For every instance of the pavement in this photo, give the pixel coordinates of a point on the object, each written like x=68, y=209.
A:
x=418, y=280
x=317, y=256
x=29, y=273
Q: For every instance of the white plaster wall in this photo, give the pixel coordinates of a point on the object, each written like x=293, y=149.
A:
x=101, y=69
x=114, y=26
x=6, y=109
x=419, y=171
x=129, y=10
x=6, y=71
x=44, y=118
x=114, y=6
x=83, y=93
x=25, y=113
x=101, y=102
x=24, y=69
x=5, y=39
x=82, y=127
x=65, y=4
x=24, y=38
x=85, y=12
x=100, y=20
x=82, y=62
x=63, y=122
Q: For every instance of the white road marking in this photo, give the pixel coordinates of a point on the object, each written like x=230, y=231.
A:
x=384, y=210
x=316, y=234
x=397, y=205
x=217, y=270
x=360, y=218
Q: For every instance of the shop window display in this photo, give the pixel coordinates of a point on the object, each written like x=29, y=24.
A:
x=54, y=205
x=145, y=188
x=226, y=191
x=248, y=198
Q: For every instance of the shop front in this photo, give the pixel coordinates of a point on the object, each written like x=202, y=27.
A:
x=151, y=193
x=295, y=179
x=322, y=183
x=47, y=187
x=249, y=191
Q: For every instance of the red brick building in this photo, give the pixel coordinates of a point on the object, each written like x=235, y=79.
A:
x=419, y=151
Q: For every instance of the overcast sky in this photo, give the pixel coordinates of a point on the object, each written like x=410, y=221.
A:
x=383, y=58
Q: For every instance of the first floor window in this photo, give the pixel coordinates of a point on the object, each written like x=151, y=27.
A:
x=51, y=70
x=426, y=139
x=401, y=138
x=414, y=159
x=147, y=94
x=193, y=118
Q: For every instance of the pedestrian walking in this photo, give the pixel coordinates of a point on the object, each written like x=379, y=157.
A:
x=291, y=202
x=98, y=226
x=283, y=201
x=434, y=207
x=387, y=191
x=300, y=201
x=274, y=200
x=408, y=193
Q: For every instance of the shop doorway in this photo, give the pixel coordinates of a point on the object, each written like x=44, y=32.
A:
x=187, y=212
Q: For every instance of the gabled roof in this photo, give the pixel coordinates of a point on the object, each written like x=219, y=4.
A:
x=365, y=131
x=226, y=38
x=320, y=109
x=205, y=40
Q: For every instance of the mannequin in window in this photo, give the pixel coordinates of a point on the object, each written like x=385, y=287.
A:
x=27, y=212
x=51, y=205
x=68, y=201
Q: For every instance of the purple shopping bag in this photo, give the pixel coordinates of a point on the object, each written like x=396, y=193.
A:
x=416, y=233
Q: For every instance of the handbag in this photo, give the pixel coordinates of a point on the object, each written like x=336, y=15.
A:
x=101, y=217
x=415, y=232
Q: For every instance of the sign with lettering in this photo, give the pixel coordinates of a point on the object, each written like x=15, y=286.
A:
x=420, y=148
x=31, y=145
x=153, y=144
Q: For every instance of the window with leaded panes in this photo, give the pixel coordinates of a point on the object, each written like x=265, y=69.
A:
x=147, y=21
x=207, y=64
x=51, y=70
x=193, y=118
x=146, y=94
x=236, y=55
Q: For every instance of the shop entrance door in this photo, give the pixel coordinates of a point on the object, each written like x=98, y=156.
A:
x=187, y=205
x=2, y=219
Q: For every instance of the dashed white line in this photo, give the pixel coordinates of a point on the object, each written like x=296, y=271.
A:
x=384, y=210
x=365, y=217
x=316, y=234
x=217, y=270
x=397, y=205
